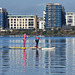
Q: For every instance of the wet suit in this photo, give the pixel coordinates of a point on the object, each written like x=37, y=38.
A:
x=37, y=40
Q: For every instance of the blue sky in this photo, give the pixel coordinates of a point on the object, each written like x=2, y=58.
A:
x=33, y=7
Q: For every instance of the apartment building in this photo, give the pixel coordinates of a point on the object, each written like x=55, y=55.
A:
x=22, y=21
x=3, y=18
x=41, y=25
x=54, y=15
x=70, y=18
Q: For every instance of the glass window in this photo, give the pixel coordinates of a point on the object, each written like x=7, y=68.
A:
x=19, y=16
x=14, y=27
x=11, y=19
x=25, y=19
x=11, y=24
x=25, y=24
x=14, y=19
x=14, y=24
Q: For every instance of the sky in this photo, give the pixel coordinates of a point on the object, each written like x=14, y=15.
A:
x=33, y=7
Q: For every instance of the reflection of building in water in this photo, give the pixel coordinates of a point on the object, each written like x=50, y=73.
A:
x=0, y=62
x=53, y=61
x=4, y=61
x=47, y=43
x=70, y=56
x=60, y=57
x=17, y=64
x=16, y=42
x=40, y=60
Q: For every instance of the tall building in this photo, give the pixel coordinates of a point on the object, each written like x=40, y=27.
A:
x=3, y=18
x=54, y=15
x=70, y=18
x=22, y=21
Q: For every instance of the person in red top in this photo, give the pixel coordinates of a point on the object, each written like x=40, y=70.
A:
x=37, y=40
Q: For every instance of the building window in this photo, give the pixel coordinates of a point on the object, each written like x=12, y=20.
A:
x=25, y=24
x=11, y=27
x=69, y=16
x=20, y=19
x=14, y=27
x=25, y=19
x=30, y=19
x=31, y=27
x=19, y=16
x=11, y=19
x=30, y=23
x=14, y=24
x=11, y=24
x=70, y=21
x=14, y=19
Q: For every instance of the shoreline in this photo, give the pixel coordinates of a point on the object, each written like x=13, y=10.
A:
x=41, y=35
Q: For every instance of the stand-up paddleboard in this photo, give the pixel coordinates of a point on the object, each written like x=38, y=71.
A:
x=18, y=47
x=51, y=48
x=41, y=48
x=25, y=47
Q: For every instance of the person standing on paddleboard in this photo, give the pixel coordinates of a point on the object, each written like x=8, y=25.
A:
x=24, y=38
x=37, y=40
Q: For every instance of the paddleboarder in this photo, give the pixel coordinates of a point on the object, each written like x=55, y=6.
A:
x=37, y=37
x=24, y=38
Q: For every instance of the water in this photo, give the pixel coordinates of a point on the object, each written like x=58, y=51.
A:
x=60, y=61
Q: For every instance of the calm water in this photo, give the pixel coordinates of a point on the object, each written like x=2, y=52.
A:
x=60, y=61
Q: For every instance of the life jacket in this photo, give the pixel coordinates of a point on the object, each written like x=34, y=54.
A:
x=25, y=36
x=37, y=37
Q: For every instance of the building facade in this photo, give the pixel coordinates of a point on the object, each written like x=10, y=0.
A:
x=22, y=21
x=70, y=18
x=41, y=25
x=54, y=15
x=3, y=18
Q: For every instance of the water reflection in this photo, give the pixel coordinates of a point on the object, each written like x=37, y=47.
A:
x=5, y=62
x=24, y=58
x=36, y=58
x=60, y=58
x=60, y=61
x=70, y=56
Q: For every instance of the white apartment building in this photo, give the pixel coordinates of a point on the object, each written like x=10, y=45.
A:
x=22, y=21
x=41, y=25
x=70, y=18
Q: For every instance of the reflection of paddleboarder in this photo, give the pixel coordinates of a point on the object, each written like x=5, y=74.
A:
x=24, y=38
x=24, y=58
